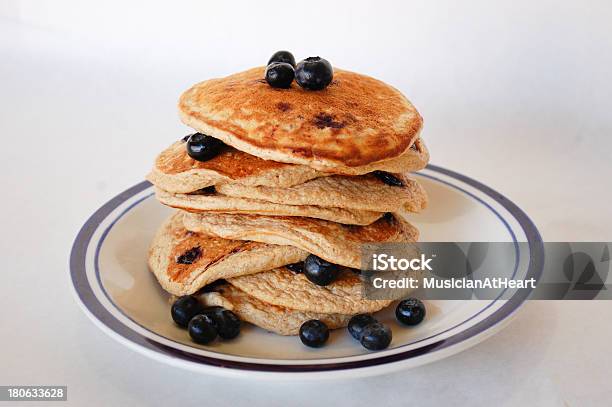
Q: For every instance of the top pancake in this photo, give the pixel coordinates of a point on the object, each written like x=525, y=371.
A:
x=354, y=126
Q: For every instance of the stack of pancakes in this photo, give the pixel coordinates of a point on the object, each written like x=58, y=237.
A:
x=302, y=172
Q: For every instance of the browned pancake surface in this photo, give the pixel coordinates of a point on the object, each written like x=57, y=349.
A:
x=355, y=121
x=175, y=171
x=184, y=261
x=230, y=162
x=210, y=251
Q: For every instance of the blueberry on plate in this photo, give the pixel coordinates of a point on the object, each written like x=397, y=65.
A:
x=282, y=56
x=319, y=271
x=184, y=309
x=201, y=147
x=410, y=311
x=314, y=333
x=227, y=323
x=279, y=75
x=357, y=324
x=202, y=329
x=388, y=178
x=314, y=73
x=376, y=336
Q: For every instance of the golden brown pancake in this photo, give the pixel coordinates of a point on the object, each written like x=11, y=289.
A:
x=361, y=192
x=287, y=289
x=218, y=203
x=356, y=125
x=183, y=261
x=175, y=171
x=334, y=242
x=273, y=318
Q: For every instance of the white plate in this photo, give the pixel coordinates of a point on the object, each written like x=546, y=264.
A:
x=116, y=290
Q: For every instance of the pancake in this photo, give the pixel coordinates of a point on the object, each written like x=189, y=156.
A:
x=218, y=203
x=284, y=288
x=356, y=125
x=414, y=159
x=363, y=192
x=175, y=171
x=209, y=258
x=280, y=320
x=334, y=242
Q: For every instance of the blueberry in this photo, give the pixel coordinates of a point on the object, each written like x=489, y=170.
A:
x=388, y=178
x=357, y=324
x=190, y=256
x=410, y=311
x=314, y=333
x=296, y=268
x=202, y=329
x=282, y=56
x=201, y=147
x=376, y=336
x=389, y=217
x=314, y=73
x=184, y=309
x=227, y=323
x=279, y=75
x=319, y=271
x=209, y=190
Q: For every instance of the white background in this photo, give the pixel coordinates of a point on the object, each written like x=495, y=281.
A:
x=514, y=93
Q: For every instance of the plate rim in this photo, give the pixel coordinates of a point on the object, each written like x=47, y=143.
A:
x=503, y=313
